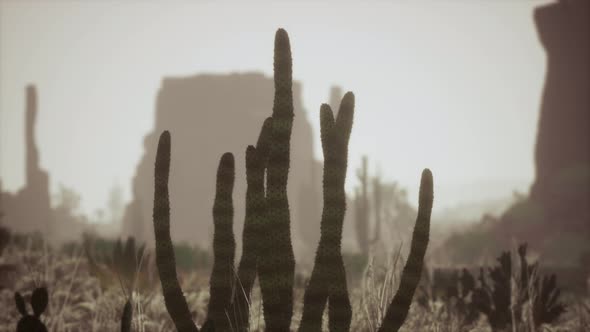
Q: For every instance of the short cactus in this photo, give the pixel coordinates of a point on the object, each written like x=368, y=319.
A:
x=165, y=260
x=398, y=309
x=39, y=301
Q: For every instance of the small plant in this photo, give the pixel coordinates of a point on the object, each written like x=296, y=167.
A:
x=517, y=298
x=448, y=294
x=127, y=266
x=39, y=301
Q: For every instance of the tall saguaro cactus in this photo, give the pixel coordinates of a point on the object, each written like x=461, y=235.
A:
x=277, y=262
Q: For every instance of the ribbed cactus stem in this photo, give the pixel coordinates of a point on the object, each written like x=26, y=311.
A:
x=252, y=235
x=224, y=245
x=277, y=262
x=400, y=305
x=328, y=278
x=165, y=259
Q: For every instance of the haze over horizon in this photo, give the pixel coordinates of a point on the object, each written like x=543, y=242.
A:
x=454, y=86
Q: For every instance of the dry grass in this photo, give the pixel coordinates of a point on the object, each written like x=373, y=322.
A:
x=78, y=303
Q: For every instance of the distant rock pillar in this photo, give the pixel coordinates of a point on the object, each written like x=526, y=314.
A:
x=35, y=194
x=32, y=154
x=562, y=152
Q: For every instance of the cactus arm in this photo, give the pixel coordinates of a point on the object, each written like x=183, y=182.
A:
x=328, y=279
x=277, y=264
x=165, y=260
x=264, y=141
x=339, y=310
x=316, y=293
x=400, y=305
x=224, y=245
x=252, y=235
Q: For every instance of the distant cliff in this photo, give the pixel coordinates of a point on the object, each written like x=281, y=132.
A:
x=555, y=217
x=208, y=115
x=562, y=153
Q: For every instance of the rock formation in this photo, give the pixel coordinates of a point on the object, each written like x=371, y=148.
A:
x=555, y=218
x=208, y=115
x=29, y=209
x=562, y=153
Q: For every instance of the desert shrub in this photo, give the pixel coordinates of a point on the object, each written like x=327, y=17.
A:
x=509, y=296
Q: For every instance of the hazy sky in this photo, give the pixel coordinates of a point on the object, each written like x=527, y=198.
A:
x=450, y=85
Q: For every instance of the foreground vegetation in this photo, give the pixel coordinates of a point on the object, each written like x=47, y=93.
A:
x=80, y=300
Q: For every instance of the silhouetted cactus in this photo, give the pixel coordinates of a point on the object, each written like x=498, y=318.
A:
x=267, y=240
x=252, y=236
x=398, y=309
x=39, y=301
x=224, y=245
x=165, y=260
x=277, y=262
x=328, y=278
